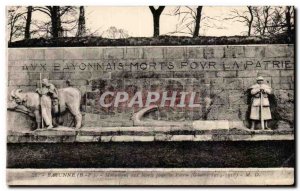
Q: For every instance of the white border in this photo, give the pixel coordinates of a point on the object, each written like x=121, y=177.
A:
x=158, y=176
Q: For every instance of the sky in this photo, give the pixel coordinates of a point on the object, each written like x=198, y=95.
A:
x=137, y=21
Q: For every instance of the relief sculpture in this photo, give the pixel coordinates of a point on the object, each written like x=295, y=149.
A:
x=47, y=102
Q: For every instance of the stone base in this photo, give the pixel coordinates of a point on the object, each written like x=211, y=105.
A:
x=147, y=134
x=211, y=125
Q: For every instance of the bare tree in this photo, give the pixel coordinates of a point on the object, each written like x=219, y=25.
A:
x=289, y=12
x=15, y=25
x=115, y=33
x=191, y=20
x=262, y=19
x=81, y=31
x=56, y=13
x=28, y=22
x=266, y=20
x=245, y=17
x=197, y=21
x=55, y=21
x=250, y=20
x=266, y=15
x=156, y=16
x=282, y=21
x=276, y=24
x=41, y=28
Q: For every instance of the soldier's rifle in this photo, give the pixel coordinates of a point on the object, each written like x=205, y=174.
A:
x=40, y=84
x=261, y=111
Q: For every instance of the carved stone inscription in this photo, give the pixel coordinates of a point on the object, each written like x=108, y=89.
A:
x=187, y=83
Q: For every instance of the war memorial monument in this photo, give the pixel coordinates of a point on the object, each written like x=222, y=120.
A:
x=151, y=112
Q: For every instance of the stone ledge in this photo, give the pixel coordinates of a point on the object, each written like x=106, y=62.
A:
x=143, y=134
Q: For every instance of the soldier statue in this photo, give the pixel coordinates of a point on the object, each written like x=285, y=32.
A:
x=50, y=91
x=260, y=105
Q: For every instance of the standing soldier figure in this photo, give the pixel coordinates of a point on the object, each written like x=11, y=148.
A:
x=260, y=106
x=49, y=90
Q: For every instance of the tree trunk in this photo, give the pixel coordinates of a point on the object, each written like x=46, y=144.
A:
x=54, y=24
x=156, y=16
x=81, y=22
x=11, y=33
x=12, y=26
x=56, y=28
x=198, y=21
x=266, y=15
x=250, y=20
x=60, y=29
x=288, y=20
x=28, y=22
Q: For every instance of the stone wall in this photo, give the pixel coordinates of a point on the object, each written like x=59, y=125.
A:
x=219, y=75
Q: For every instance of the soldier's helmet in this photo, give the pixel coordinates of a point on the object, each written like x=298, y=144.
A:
x=259, y=78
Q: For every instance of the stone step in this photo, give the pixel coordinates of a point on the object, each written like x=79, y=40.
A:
x=144, y=134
